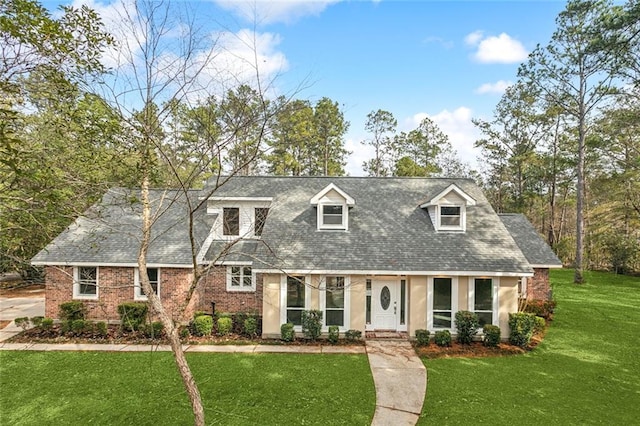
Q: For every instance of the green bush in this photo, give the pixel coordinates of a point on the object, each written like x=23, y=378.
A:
x=353, y=335
x=22, y=322
x=541, y=308
x=334, y=334
x=312, y=324
x=539, y=325
x=467, y=326
x=153, y=330
x=225, y=325
x=185, y=333
x=521, y=326
x=101, y=328
x=422, y=337
x=47, y=323
x=199, y=314
x=79, y=327
x=132, y=315
x=202, y=325
x=442, y=338
x=491, y=335
x=37, y=321
x=286, y=332
x=250, y=327
x=73, y=310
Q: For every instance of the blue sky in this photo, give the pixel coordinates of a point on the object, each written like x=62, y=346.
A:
x=449, y=60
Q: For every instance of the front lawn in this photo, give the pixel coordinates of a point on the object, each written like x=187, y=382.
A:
x=145, y=389
x=586, y=371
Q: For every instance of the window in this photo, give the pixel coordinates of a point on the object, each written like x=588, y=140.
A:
x=154, y=280
x=334, y=301
x=368, y=303
x=85, y=283
x=331, y=215
x=450, y=217
x=482, y=299
x=442, y=302
x=240, y=278
x=260, y=218
x=403, y=305
x=231, y=221
x=296, y=300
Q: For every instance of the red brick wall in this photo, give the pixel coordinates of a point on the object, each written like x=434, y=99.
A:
x=539, y=286
x=116, y=285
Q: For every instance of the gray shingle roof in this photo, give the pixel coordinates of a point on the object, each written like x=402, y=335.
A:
x=534, y=248
x=388, y=231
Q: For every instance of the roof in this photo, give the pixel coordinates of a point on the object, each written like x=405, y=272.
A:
x=388, y=231
x=109, y=232
x=534, y=248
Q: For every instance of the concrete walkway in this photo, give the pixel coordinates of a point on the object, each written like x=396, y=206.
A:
x=400, y=379
x=11, y=308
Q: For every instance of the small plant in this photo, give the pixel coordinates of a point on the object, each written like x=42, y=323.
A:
x=202, y=325
x=286, y=332
x=153, y=330
x=78, y=327
x=422, y=337
x=541, y=308
x=521, y=325
x=22, y=322
x=353, y=335
x=312, y=324
x=74, y=310
x=184, y=333
x=539, y=325
x=334, y=334
x=251, y=327
x=47, y=323
x=101, y=328
x=442, y=338
x=132, y=315
x=37, y=321
x=467, y=326
x=225, y=324
x=491, y=335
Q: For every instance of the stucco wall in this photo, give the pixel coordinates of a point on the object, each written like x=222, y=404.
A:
x=271, y=305
x=417, y=304
x=508, y=299
x=358, y=289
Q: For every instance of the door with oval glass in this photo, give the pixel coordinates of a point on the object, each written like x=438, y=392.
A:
x=385, y=306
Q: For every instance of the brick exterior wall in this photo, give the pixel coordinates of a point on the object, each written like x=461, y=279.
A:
x=116, y=286
x=539, y=286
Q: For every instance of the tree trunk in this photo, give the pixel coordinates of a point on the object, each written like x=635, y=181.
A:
x=579, y=273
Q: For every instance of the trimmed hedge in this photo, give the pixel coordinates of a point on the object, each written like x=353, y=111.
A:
x=132, y=315
x=467, y=324
x=491, y=335
x=521, y=325
x=442, y=338
x=286, y=332
x=422, y=337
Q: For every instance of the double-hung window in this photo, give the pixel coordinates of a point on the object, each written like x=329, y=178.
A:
x=154, y=279
x=483, y=298
x=451, y=217
x=334, y=301
x=332, y=216
x=85, y=282
x=231, y=221
x=442, y=302
x=240, y=278
x=296, y=299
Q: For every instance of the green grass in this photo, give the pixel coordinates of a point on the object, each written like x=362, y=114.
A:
x=587, y=370
x=79, y=388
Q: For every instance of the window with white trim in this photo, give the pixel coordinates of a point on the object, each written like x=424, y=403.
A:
x=451, y=217
x=296, y=300
x=483, y=300
x=85, y=282
x=334, y=296
x=260, y=215
x=442, y=303
x=231, y=221
x=240, y=278
x=154, y=279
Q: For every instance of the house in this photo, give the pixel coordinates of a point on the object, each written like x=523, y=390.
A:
x=396, y=254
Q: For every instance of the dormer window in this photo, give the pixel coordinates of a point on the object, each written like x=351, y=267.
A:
x=451, y=217
x=231, y=221
x=332, y=208
x=448, y=209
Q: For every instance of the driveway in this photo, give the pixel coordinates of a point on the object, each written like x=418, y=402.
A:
x=16, y=307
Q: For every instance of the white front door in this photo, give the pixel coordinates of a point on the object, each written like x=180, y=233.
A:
x=384, y=305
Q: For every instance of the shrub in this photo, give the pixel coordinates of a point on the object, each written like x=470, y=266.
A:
x=467, y=326
x=286, y=332
x=539, y=325
x=37, y=321
x=334, y=333
x=312, y=324
x=79, y=326
x=442, y=338
x=47, y=323
x=422, y=337
x=541, y=308
x=521, y=325
x=184, y=333
x=491, y=335
x=74, y=310
x=353, y=335
x=132, y=315
x=22, y=322
x=202, y=325
x=250, y=327
x=225, y=325
x=153, y=330
x=199, y=314
x=101, y=328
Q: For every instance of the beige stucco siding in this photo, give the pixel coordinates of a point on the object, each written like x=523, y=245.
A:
x=508, y=299
x=271, y=306
x=463, y=294
x=316, y=281
x=417, y=304
x=357, y=304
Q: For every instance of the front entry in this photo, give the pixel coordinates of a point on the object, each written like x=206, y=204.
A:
x=385, y=305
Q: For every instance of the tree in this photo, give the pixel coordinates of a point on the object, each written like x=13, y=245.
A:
x=423, y=145
x=330, y=127
x=572, y=71
x=381, y=124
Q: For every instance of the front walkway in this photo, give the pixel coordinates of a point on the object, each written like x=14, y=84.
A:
x=400, y=378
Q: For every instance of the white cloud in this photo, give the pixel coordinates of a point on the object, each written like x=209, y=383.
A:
x=496, y=88
x=502, y=49
x=447, y=44
x=461, y=131
x=268, y=11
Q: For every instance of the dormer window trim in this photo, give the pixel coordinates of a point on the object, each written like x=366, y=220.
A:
x=330, y=209
x=437, y=206
x=462, y=217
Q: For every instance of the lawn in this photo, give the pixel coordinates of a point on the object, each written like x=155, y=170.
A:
x=587, y=370
x=144, y=389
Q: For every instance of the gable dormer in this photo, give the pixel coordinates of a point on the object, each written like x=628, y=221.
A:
x=332, y=208
x=448, y=209
x=238, y=217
